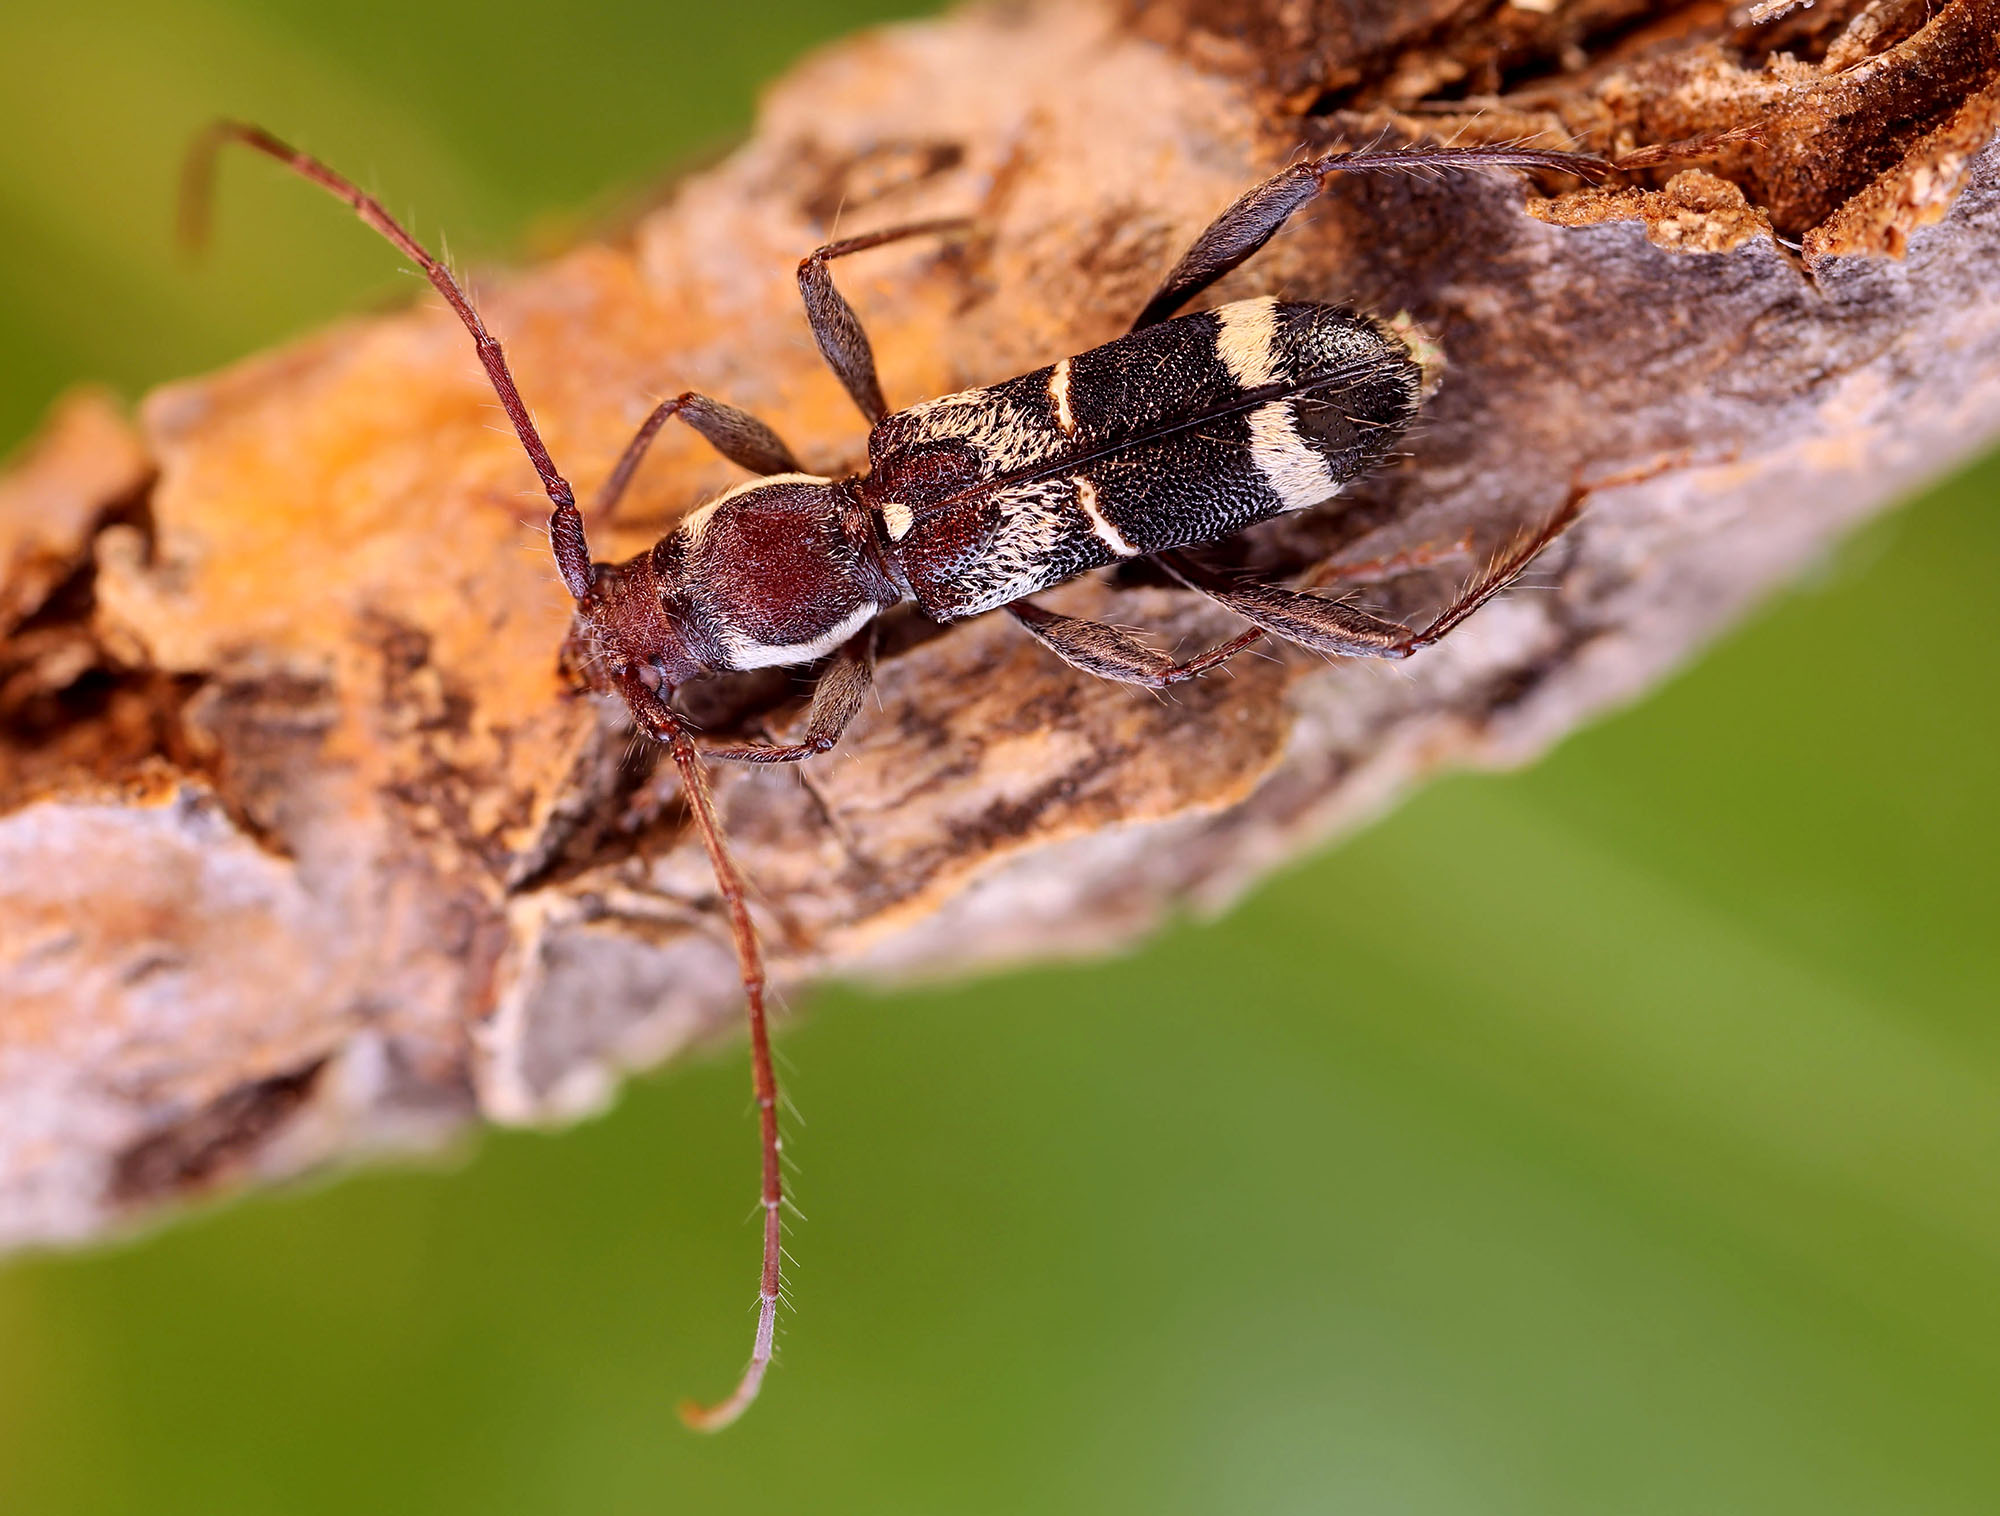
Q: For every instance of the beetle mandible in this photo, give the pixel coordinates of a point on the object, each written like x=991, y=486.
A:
x=1184, y=431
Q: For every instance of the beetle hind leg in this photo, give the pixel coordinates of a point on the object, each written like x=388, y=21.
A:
x=1110, y=653
x=1310, y=621
x=1236, y=235
x=1328, y=626
x=1307, y=620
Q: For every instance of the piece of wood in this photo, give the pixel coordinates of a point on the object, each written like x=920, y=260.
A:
x=307, y=848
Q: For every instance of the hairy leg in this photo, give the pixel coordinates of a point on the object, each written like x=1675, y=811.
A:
x=836, y=328
x=836, y=699
x=656, y=717
x=1254, y=219
x=1111, y=653
x=737, y=435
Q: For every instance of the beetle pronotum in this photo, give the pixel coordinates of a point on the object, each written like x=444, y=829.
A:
x=1186, y=430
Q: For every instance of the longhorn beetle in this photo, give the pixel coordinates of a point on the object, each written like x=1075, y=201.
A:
x=1182, y=432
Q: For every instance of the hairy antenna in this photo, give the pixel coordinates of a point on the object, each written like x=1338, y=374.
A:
x=197, y=185
x=664, y=726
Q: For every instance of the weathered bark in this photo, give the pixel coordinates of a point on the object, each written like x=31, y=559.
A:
x=305, y=845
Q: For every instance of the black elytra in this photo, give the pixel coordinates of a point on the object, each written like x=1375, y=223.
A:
x=1180, y=434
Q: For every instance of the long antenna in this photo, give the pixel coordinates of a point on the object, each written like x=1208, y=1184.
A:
x=661, y=723
x=197, y=193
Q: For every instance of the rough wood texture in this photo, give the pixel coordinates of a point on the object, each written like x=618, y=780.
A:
x=305, y=847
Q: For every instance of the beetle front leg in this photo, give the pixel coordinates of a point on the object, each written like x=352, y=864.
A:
x=836, y=699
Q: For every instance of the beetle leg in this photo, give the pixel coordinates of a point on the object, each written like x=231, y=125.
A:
x=1311, y=621
x=836, y=699
x=836, y=328
x=1327, y=626
x=1253, y=220
x=737, y=435
x=1110, y=653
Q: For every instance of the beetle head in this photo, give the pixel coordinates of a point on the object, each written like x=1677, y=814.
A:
x=779, y=571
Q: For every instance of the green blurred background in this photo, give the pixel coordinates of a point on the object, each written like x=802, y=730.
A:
x=1636, y=1149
